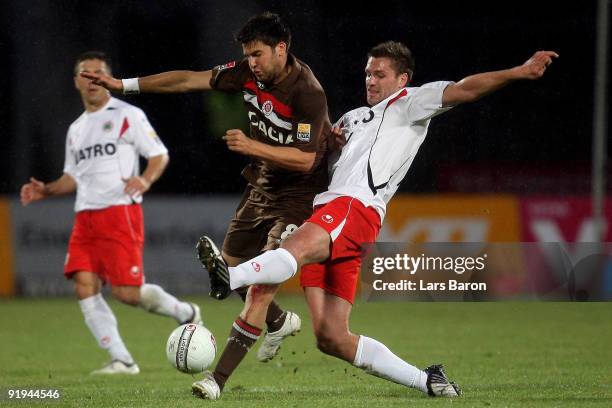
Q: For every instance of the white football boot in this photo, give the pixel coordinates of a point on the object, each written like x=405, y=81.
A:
x=207, y=388
x=272, y=341
x=117, y=367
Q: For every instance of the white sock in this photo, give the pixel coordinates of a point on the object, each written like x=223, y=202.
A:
x=271, y=267
x=155, y=299
x=375, y=358
x=103, y=325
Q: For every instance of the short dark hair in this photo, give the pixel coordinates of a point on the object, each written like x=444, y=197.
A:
x=267, y=27
x=398, y=53
x=91, y=55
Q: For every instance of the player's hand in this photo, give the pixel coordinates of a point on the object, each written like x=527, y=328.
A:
x=535, y=66
x=136, y=186
x=32, y=191
x=238, y=142
x=106, y=81
x=339, y=135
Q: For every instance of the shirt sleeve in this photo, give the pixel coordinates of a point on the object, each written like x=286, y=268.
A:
x=230, y=77
x=138, y=131
x=69, y=159
x=310, y=120
x=427, y=101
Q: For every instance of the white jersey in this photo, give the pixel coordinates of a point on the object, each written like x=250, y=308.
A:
x=102, y=150
x=382, y=142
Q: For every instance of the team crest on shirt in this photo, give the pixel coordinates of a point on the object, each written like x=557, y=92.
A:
x=303, y=132
x=327, y=218
x=108, y=126
x=267, y=107
x=230, y=64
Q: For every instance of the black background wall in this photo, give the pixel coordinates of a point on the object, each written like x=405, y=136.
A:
x=543, y=124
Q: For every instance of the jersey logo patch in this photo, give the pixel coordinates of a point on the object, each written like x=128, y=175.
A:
x=230, y=64
x=327, y=218
x=134, y=270
x=267, y=108
x=108, y=126
x=303, y=132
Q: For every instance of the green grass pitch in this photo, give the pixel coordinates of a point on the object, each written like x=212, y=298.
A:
x=502, y=354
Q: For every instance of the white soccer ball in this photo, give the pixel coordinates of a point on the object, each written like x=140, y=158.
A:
x=191, y=348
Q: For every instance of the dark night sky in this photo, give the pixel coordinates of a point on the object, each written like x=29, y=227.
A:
x=533, y=125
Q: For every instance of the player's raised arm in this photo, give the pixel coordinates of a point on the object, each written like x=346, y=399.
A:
x=36, y=190
x=166, y=82
x=476, y=86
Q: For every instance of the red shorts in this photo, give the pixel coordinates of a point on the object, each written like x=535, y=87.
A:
x=350, y=225
x=109, y=243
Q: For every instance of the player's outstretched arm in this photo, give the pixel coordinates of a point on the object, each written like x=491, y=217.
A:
x=476, y=86
x=36, y=190
x=166, y=82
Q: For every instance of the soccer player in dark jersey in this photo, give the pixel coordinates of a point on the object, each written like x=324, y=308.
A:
x=289, y=125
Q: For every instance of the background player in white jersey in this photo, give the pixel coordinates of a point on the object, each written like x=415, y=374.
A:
x=380, y=144
x=101, y=164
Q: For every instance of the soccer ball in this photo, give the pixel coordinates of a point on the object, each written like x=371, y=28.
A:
x=191, y=348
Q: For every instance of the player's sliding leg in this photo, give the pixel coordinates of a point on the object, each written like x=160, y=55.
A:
x=270, y=268
x=102, y=323
x=330, y=316
x=308, y=244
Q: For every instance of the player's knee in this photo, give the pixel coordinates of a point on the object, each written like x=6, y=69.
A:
x=83, y=291
x=126, y=294
x=262, y=294
x=308, y=244
x=86, y=285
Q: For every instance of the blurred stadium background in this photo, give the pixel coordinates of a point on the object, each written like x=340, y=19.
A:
x=514, y=167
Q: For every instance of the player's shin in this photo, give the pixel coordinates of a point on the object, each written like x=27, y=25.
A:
x=241, y=339
x=375, y=358
x=271, y=267
x=103, y=325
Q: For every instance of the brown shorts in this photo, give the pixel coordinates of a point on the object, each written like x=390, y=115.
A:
x=260, y=223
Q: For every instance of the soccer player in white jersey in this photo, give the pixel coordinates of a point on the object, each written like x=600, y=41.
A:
x=380, y=143
x=101, y=164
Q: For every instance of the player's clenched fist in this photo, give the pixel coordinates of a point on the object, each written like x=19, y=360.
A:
x=237, y=141
x=104, y=80
x=32, y=191
x=535, y=66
